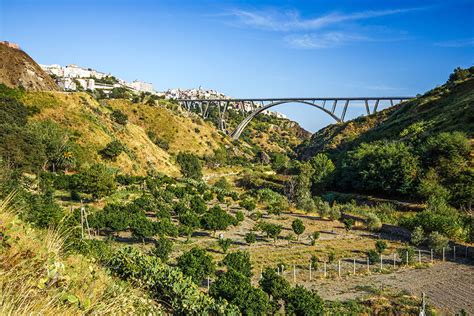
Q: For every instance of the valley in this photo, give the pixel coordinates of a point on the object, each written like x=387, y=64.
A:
x=128, y=199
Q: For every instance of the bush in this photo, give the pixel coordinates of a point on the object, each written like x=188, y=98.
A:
x=237, y=289
x=158, y=141
x=239, y=216
x=190, y=165
x=272, y=230
x=273, y=284
x=417, y=236
x=224, y=243
x=197, y=264
x=301, y=301
x=373, y=222
x=250, y=238
x=380, y=245
x=240, y=262
x=98, y=180
x=405, y=253
x=374, y=256
x=222, y=184
x=112, y=150
x=163, y=248
x=348, y=223
x=334, y=213
x=119, y=117
x=216, y=219
x=166, y=283
x=314, y=262
x=314, y=236
x=437, y=242
x=248, y=203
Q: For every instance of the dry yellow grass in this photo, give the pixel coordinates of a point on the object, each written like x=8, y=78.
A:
x=37, y=278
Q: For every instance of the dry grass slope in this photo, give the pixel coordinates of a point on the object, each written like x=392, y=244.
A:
x=37, y=278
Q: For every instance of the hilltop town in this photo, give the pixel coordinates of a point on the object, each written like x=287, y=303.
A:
x=75, y=78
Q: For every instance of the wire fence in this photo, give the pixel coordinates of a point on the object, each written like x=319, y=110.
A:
x=387, y=263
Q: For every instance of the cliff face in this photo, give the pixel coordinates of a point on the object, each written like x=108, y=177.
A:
x=17, y=69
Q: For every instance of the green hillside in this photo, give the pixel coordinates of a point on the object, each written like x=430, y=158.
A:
x=447, y=108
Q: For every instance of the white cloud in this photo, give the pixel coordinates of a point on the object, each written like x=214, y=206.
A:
x=468, y=42
x=324, y=40
x=292, y=21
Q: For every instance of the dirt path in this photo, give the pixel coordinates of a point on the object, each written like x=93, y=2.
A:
x=448, y=286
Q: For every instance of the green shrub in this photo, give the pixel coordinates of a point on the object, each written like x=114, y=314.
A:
x=437, y=242
x=301, y=301
x=417, y=236
x=273, y=284
x=250, y=238
x=163, y=248
x=166, y=283
x=389, y=167
x=119, y=117
x=240, y=262
x=190, y=165
x=224, y=243
x=197, y=264
x=374, y=256
x=112, y=150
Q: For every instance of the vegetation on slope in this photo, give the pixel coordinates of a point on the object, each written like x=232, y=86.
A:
x=38, y=276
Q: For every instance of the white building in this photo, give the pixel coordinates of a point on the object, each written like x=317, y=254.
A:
x=141, y=86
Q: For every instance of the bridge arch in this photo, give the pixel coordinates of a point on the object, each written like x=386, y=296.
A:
x=242, y=125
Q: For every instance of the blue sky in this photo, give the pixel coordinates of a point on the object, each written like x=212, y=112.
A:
x=254, y=48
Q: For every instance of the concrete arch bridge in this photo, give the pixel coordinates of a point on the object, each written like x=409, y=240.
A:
x=334, y=107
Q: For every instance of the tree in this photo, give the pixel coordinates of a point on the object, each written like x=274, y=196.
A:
x=417, y=236
x=280, y=162
x=250, y=238
x=302, y=193
x=301, y=301
x=272, y=230
x=314, y=262
x=314, y=236
x=197, y=264
x=380, y=245
x=323, y=172
x=348, y=223
x=240, y=262
x=163, y=248
x=119, y=117
x=273, y=284
x=388, y=166
x=238, y=290
x=97, y=180
x=190, y=165
x=224, y=243
x=142, y=228
x=298, y=227
x=216, y=219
